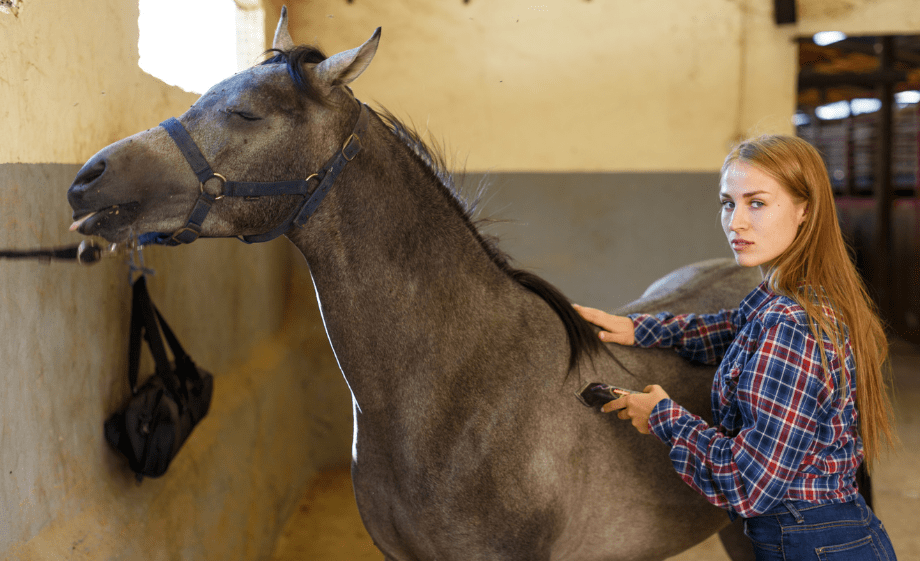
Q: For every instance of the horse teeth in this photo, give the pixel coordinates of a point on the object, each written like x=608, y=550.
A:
x=78, y=223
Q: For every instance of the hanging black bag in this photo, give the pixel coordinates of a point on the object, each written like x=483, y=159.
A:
x=161, y=414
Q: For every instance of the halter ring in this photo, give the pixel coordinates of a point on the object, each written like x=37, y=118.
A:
x=219, y=177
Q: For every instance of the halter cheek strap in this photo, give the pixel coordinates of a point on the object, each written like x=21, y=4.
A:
x=202, y=169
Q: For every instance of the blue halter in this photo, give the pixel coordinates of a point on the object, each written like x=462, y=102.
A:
x=326, y=177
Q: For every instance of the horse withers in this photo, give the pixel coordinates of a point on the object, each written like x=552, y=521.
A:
x=468, y=443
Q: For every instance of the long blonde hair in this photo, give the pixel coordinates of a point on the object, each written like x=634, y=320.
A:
x=819, y=257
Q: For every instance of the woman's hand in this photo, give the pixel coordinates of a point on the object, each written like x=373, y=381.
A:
x=616, y=329
x=637, y=406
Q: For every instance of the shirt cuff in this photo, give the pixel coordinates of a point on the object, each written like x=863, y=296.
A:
x=664, y=415
x=643, y=334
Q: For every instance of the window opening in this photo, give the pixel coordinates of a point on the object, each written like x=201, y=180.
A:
x=10, y=7
x=193, y=44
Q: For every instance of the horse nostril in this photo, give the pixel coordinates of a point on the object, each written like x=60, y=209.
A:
x=85, y=180
x=90, y=172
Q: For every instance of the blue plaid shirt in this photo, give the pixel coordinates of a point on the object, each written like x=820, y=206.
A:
x=780, y=432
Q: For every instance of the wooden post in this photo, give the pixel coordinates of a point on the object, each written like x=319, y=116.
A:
x=849, y=186
x=884, y=191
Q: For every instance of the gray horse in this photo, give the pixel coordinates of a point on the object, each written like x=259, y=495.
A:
x=468, y=443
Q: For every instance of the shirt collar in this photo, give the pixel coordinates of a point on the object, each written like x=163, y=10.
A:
x=754, y=301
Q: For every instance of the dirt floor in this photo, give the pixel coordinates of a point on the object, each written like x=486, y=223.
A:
x=326, y=525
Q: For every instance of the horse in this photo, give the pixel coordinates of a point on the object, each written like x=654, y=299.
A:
x=468, y=441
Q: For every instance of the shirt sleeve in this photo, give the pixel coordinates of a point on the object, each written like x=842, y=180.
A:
x=778, y=395
x=698, y=337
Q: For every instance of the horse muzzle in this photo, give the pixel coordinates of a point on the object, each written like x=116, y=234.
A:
x=124, y=183
x=96, y=210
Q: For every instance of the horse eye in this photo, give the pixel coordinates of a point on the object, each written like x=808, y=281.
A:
x=244, y=115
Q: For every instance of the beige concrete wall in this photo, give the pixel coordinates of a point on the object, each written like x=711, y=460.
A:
x=570, y=86
x=69, y=85
x=563, y=85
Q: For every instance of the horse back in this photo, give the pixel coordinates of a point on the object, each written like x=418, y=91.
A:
x=703, y=287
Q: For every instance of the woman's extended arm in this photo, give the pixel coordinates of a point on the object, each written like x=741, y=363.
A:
x=699, y=337
x=703, y=338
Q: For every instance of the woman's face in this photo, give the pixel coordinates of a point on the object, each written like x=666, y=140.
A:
x=759, y=216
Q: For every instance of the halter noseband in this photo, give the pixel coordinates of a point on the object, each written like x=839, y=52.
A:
x=326, y=177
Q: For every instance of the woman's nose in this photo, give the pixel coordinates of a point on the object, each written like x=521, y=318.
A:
x=738, y=220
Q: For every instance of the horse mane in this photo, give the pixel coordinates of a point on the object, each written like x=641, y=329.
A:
x=582, y=337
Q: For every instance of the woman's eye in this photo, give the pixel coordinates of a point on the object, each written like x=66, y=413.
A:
x=757, y=204
x=727, y=205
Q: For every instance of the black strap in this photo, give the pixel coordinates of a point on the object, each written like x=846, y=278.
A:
x=134, y=335
x=189, y=149
x=146, y=322
x=68, y=252
x=333, y=169
x=192, y=229
x=86, y=253
x=262, y=188
x=175, y=379
x=330, y=173
x=177, y=351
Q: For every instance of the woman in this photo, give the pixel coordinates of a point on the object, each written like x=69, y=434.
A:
x=793, y=418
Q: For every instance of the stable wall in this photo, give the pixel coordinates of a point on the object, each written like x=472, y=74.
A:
x=568, y=86
x=585, y=86
x=69, y=85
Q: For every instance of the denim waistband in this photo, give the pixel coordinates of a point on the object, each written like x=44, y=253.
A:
x=799, y=530
x=791, y=513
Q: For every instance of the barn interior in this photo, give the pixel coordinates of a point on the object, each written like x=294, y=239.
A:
x=597, y=130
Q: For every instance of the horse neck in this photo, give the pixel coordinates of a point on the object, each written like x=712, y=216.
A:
x=402, y=280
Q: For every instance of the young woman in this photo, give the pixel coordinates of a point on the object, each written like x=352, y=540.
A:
x=799, y=398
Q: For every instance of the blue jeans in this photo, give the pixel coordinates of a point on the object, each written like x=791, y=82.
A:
x=831, y=532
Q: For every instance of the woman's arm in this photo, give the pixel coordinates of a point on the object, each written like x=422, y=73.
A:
x=703, y=338
x=780, y=393
x=699, y=337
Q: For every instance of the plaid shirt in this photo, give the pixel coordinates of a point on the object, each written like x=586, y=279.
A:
x=780, y=432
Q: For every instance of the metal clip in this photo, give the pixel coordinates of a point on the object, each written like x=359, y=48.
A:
x=136, y=262
x=89, y=252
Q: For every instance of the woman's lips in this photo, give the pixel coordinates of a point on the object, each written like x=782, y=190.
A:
x=741, y=245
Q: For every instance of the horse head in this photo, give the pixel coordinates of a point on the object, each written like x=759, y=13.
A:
x=272, y=124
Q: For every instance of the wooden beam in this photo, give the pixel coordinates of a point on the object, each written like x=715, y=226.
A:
x=868, y=80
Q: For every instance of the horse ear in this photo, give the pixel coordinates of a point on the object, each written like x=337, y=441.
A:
x=342, y=69
x=283, y=41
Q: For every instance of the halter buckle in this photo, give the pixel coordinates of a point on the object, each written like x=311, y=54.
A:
x=348, y=150
x=182, y=234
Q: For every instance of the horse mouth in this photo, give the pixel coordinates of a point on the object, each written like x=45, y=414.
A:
x=110, y=219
